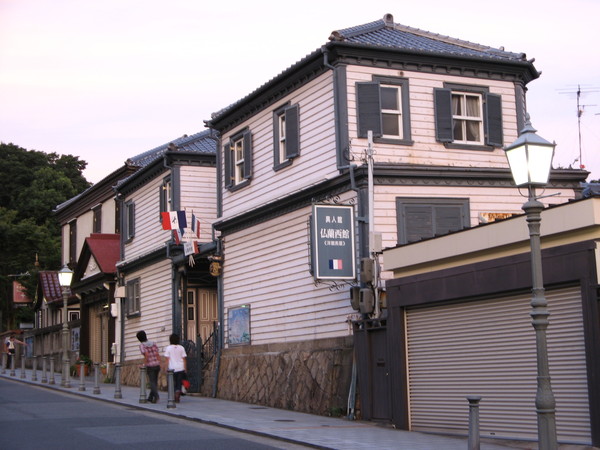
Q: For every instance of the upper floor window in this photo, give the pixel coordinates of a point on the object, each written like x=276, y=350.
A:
x=72, y=243
x=421, y=218
x=238, y=160
x=286, y=136
x=129, y=220
x=132, y=291
x=165, y=193
x=383, y=108
x=97, y=219
x=466, y=115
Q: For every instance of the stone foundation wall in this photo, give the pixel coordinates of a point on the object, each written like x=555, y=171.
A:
x=310, y=376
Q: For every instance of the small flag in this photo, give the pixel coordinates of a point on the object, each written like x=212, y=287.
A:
x=173, y=220
x=177, y=235
x=335, y=264
x=195, y=225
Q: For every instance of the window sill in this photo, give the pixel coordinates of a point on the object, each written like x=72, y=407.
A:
x=134, y=315
x=452, y=145
x=394, y=141
x=282, y=165
x=236, y=187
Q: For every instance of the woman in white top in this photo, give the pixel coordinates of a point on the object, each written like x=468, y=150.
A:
x=176, y=359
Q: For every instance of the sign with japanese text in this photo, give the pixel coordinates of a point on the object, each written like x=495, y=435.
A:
x=333, y=242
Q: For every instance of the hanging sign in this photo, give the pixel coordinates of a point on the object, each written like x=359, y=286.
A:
x=333, y=242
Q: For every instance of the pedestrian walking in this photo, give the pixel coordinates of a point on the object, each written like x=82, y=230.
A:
x=152, y=363
x=11, y=349
x=177, y=362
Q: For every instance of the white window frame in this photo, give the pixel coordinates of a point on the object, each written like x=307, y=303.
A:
x=463, y=119
x=237, y=156
x=397, y=112
x=282, y=148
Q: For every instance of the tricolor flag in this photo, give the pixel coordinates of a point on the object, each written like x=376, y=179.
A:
x=177, y=235
x=335, y=264
x=195, y=225
x=173, y=220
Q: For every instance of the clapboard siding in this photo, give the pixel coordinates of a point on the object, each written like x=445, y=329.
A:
x=481, y=200
x=317, y=159
x=199, y=195
x=425, y=149
x=155, y=308
x=149, y=234
x=285, y=303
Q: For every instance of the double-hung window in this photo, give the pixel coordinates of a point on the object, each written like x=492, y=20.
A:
x=133, y=296
x=165, y=196
x=238, y=160
x=468, y=116
x=383, y=108
x=129, y=220
x=422, y=218
x=97, y=219
x=286, y=136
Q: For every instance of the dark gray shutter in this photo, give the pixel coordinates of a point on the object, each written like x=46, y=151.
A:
x=447, y=219
x=368, y=108
x=227, y=170
x=493, y=117
x=292, y=132
x=418, y=220
x=421, y=221
x=247, y=154
x=162, y=201
x=443, y=115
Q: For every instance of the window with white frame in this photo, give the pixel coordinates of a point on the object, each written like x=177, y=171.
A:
x=165, y=197
x=383, y=108
x=129, y=220
x=133, y=296
x=467, y=115
x=238, y=160
x=286, y=136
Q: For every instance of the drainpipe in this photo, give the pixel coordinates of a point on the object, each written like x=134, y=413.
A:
x=221, y=313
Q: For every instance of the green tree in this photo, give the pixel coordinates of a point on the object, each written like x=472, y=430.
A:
x=34, y=183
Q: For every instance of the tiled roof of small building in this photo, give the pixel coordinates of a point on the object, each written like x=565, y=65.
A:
x=49, y=286
x=105, y=250
x=386, y=33
x=202, y=142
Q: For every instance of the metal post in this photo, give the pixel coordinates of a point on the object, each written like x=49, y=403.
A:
x=170, y=389
x=65, y=340
x=44, y=370
x=143, y=385
x=118, y=381
x=544, y=399
x=82, y=376
x=12, y=365
x=23, y=366
x=51, y=380
x=4, y=362
x=96, y=376
x=473, y=422
x=34, y=368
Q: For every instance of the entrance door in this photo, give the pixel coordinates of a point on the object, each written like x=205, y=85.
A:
x=201, y=312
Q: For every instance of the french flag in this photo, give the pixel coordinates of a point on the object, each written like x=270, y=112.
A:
x=335, y=264
x=173, y=220
x=177, y=236
x=196, y=225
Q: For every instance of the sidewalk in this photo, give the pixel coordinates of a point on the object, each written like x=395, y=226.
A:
x=299, y=428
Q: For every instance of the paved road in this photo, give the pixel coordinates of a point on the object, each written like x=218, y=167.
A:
x=37, y=418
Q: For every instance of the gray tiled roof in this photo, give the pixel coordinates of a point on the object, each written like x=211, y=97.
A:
x=385, y=33
x=202, y=142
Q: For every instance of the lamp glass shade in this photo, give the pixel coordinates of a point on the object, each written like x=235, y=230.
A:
x=530, y=163
x=65, y=275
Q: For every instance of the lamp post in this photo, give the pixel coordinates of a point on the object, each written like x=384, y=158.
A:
x=64, y=279
x=530, y=160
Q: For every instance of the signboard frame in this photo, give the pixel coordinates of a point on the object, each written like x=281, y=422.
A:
x=333, y=242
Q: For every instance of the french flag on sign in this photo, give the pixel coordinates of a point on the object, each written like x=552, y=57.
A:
x=173, y=220
x=335, y=264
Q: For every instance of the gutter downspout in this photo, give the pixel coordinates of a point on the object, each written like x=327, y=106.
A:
x=221, y=322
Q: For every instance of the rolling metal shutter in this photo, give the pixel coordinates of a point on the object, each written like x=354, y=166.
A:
x=487, y=348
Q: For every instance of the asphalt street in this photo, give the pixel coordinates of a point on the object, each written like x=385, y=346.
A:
x=38, y=418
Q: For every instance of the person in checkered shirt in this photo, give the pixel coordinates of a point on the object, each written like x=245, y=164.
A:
x=152, y=362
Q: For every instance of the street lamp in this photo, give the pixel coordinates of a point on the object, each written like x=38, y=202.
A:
x=65, y=276
x=530, y=160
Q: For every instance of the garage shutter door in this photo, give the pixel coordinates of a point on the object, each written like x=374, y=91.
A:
x=487, y=348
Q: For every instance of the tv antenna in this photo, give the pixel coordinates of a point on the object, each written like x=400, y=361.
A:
x=580, y=110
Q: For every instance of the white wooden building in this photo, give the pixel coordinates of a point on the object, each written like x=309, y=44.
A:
x=440, y=110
